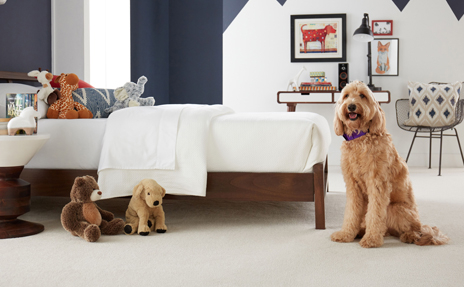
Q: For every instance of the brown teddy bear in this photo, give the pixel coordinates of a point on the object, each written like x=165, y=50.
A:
x=83, y=218
x=145, y=212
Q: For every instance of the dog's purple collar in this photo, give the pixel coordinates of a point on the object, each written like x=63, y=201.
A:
x=354, y=135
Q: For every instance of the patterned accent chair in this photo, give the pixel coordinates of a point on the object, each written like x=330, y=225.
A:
x=402, y=115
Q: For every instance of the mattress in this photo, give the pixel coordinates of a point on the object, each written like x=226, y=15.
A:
x=238, y=142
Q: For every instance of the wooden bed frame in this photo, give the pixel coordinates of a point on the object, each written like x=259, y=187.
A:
x=245, y=186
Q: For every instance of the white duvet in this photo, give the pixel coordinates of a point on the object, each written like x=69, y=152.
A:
x=167, y=143
x=236, y=142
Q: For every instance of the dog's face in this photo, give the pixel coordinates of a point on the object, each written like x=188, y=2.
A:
x=357, y=109
x=331, y=29
x=150, y=191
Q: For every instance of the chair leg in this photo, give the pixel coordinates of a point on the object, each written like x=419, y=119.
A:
x=430, y=150
x=410, y=148
x=441, y=148
x=459, y=143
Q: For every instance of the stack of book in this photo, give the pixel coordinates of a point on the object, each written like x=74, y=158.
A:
x=319, y=86
x=318, y=83
x=15, y=104
x=4, y=126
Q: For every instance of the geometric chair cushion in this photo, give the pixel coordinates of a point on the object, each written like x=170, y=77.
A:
x=432, y=105
x=96, y=100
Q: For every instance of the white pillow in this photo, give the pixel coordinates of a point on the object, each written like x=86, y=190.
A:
x=14, y=88
x=432, y=105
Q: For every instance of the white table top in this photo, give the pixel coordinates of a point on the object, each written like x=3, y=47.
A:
x=18, y=150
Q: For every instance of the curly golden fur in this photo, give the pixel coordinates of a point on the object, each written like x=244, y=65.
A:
x=380, y=199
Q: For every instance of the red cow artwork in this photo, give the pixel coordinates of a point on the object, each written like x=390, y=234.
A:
x=313, y=35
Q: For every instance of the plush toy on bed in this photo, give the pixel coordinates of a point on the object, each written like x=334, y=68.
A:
x=66, y=107
x=83, y=218
x=145, y=212
x=129, y=96
x=47, y=93
x=25, y=121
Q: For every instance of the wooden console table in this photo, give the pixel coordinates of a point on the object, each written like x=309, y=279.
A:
x=292, y=98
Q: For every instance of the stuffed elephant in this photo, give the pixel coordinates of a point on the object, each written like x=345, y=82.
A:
x=129, y=96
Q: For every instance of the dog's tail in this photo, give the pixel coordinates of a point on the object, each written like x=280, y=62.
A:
x=431, y=236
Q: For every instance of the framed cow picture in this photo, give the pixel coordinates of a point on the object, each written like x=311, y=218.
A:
x=318, y=38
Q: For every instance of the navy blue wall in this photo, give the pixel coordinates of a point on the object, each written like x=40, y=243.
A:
x=231, y=8
x=25, y=35
x=177, y=44
x=150, y=47
x=195, y=46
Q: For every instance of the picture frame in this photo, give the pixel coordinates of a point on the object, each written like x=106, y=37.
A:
x=323, y=36
x=382, y=27
x=385, y=56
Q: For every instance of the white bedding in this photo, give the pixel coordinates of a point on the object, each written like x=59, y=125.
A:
x=73, y=144
x=180, y=171
x=241, y=142
x=146, y=141
x=268, y=142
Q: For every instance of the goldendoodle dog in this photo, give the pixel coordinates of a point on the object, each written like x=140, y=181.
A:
x=380, y=199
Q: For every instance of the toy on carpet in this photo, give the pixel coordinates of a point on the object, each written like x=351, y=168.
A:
x=82, y=217
x=129, y=96
x=47, y=93
x=66, y=107
x=25, y=121
x=145, y=212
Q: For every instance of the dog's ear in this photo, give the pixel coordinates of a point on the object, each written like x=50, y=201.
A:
x=338, y=124
x=138, y=191
x=163, y=191
x=378, y=125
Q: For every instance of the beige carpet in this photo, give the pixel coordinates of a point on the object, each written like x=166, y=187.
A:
x=214, y=243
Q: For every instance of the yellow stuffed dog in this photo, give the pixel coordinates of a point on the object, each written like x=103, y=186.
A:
x=145, y=212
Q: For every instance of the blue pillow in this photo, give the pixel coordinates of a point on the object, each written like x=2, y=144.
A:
x=96, y=100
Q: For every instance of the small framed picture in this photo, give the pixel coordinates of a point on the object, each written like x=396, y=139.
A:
x=382, y=27
x=385, y=56
x=318, y=38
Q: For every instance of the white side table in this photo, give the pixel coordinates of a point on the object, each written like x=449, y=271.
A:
x=15, y=193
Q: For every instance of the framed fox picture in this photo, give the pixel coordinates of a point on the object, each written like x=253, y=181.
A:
x=318, y=38
x=385, y=56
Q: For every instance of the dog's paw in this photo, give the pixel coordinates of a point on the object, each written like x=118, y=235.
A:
x=409, y=237
x=342, y=236
x=128, y=229
x=144, y=230
x=371, y=241
x=161, y=228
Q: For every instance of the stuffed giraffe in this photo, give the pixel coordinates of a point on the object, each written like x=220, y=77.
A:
x=66, y=107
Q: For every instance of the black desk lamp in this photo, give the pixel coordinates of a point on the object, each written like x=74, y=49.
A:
x=364, y=34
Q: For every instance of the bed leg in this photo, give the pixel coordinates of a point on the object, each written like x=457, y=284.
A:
x=326, y=173
x=319, y=193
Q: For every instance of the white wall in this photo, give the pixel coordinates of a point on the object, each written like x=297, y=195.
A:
x=257, y=60
x=109, y=47
x=92, y=40
x=69, y=37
